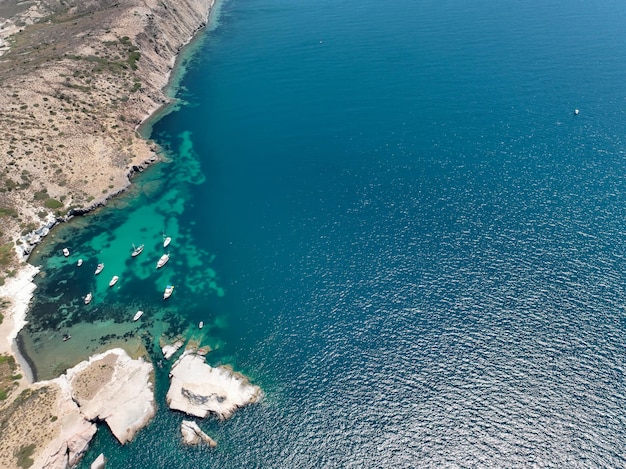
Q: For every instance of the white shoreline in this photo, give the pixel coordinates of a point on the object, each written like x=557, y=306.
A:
x=19, y=289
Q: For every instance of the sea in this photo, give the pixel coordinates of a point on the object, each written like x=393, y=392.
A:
x=391, y=218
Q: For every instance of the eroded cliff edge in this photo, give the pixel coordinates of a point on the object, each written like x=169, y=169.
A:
x=78, y=77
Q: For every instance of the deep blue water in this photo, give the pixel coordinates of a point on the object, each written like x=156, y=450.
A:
x=421, y=246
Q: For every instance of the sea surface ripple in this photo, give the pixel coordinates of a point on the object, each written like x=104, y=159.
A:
x=421, y=246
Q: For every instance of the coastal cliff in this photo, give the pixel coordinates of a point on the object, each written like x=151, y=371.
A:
x=51, y=423
x=78, y=79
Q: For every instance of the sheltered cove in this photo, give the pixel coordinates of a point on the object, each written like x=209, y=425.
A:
x=79, y=81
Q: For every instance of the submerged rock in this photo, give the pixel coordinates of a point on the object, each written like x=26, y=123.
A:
x=197, y=388
x=192, y=435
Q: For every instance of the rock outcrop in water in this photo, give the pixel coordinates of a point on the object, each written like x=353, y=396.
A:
x=170, y=349
x=192, y=435
x=99, y=462
x=199, y=389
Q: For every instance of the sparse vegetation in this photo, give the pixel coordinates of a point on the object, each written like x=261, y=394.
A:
x=7, y=212
x=133, y=57
x=52, y=203
x=8, y=377
x=41, y=195
x=6, y=254
x=24, y=454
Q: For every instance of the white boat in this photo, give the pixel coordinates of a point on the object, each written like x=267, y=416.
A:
x=88, y=298
x=163, y=260
x=99, y=268
x=168, y=292
x=79, y=263
x=137, y=250
x=137, y=315
x=113, y=280
x=66, y=252
x=201, y=325
x=166, y=241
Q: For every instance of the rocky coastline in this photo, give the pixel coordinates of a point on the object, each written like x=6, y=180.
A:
x=102, y=32
x=58, y=417
x=79, y=79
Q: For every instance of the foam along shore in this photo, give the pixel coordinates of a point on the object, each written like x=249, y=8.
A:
x=17, y=291
x=199, y=389
x=58, y=416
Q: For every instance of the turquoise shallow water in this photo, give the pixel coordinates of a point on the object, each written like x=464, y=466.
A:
x=394, y=224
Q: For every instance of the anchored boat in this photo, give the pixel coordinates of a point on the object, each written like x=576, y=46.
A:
x=163, y=260
x=137, y=250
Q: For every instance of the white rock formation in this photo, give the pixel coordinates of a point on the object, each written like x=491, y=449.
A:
x=192, y=435
x=99, y=462
x=19, y=291
x=58, y=416
x=197, y=388
x=115, y=388
x=170, y=349
x=72, y=433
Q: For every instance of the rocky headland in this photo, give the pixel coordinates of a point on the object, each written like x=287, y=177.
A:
x=78, y=79
x=199, y=389
x=51, y=423
x=113, y=388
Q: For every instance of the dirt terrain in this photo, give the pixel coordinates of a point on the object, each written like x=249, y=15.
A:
x=78, y=77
